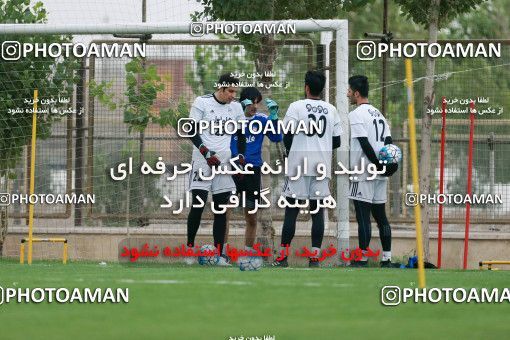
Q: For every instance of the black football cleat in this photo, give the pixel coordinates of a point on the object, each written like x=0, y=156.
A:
x=282, y=263
x=358, y=264
x=389, y=264
x=314, y=262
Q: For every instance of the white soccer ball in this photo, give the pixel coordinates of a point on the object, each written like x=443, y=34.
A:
x=390, y=153
x=250, y=263
x=208, y=260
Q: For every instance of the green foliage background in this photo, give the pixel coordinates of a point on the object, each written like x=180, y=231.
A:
x=19, y=78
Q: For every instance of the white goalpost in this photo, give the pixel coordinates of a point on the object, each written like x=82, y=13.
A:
x=337, y=86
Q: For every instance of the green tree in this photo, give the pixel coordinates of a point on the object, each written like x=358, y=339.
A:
x=490, y=21
x=18, y=79
x=132, y=206
x=143, y=84
x=369, y=18
x=262, y=47
x=212, y=60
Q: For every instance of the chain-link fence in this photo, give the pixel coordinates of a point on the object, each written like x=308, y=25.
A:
x=486, y=81
x=82, y=149
x=85, y=150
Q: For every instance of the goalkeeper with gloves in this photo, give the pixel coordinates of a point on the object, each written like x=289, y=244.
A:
x=212, y=149
x=250, y=99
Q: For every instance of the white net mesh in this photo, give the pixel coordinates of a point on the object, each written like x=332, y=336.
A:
x=97, y=112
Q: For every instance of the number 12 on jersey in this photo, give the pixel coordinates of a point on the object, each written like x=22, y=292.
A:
x=381, y=122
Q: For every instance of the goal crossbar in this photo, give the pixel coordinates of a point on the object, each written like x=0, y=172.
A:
x=302, y=26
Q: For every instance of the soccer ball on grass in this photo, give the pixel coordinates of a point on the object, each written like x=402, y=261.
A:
x=248, y=263
x=208, y=260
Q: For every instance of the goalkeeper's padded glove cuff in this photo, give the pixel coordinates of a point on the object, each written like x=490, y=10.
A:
x=205, y=151
x=209, y=156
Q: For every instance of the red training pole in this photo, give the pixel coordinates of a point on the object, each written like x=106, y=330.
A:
x=470, y=166
x=441, y=184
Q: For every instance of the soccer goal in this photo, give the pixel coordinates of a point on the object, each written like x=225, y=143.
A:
x=110, y=96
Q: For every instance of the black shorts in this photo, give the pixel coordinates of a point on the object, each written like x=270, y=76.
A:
x=249, y=185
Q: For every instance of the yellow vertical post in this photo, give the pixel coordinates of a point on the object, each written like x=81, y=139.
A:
x=414, y=169
x=32, y=178
x=22, y=253
x=64, y=255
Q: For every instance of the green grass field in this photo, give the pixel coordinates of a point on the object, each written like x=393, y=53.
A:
x=176, y=302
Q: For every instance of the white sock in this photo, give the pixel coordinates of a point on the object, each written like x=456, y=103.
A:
x=224, y=251
x=364, y=255
x=386, y=255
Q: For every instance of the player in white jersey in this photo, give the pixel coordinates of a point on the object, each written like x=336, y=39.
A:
x=212, y=149
x=369, y=133
x=317, y=148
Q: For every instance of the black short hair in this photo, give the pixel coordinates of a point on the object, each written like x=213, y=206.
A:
x=360, y=84
x=251, y=93
x=315, y=81
x=227, y=80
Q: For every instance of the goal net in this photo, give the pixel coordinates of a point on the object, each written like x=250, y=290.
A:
x=109, y=98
